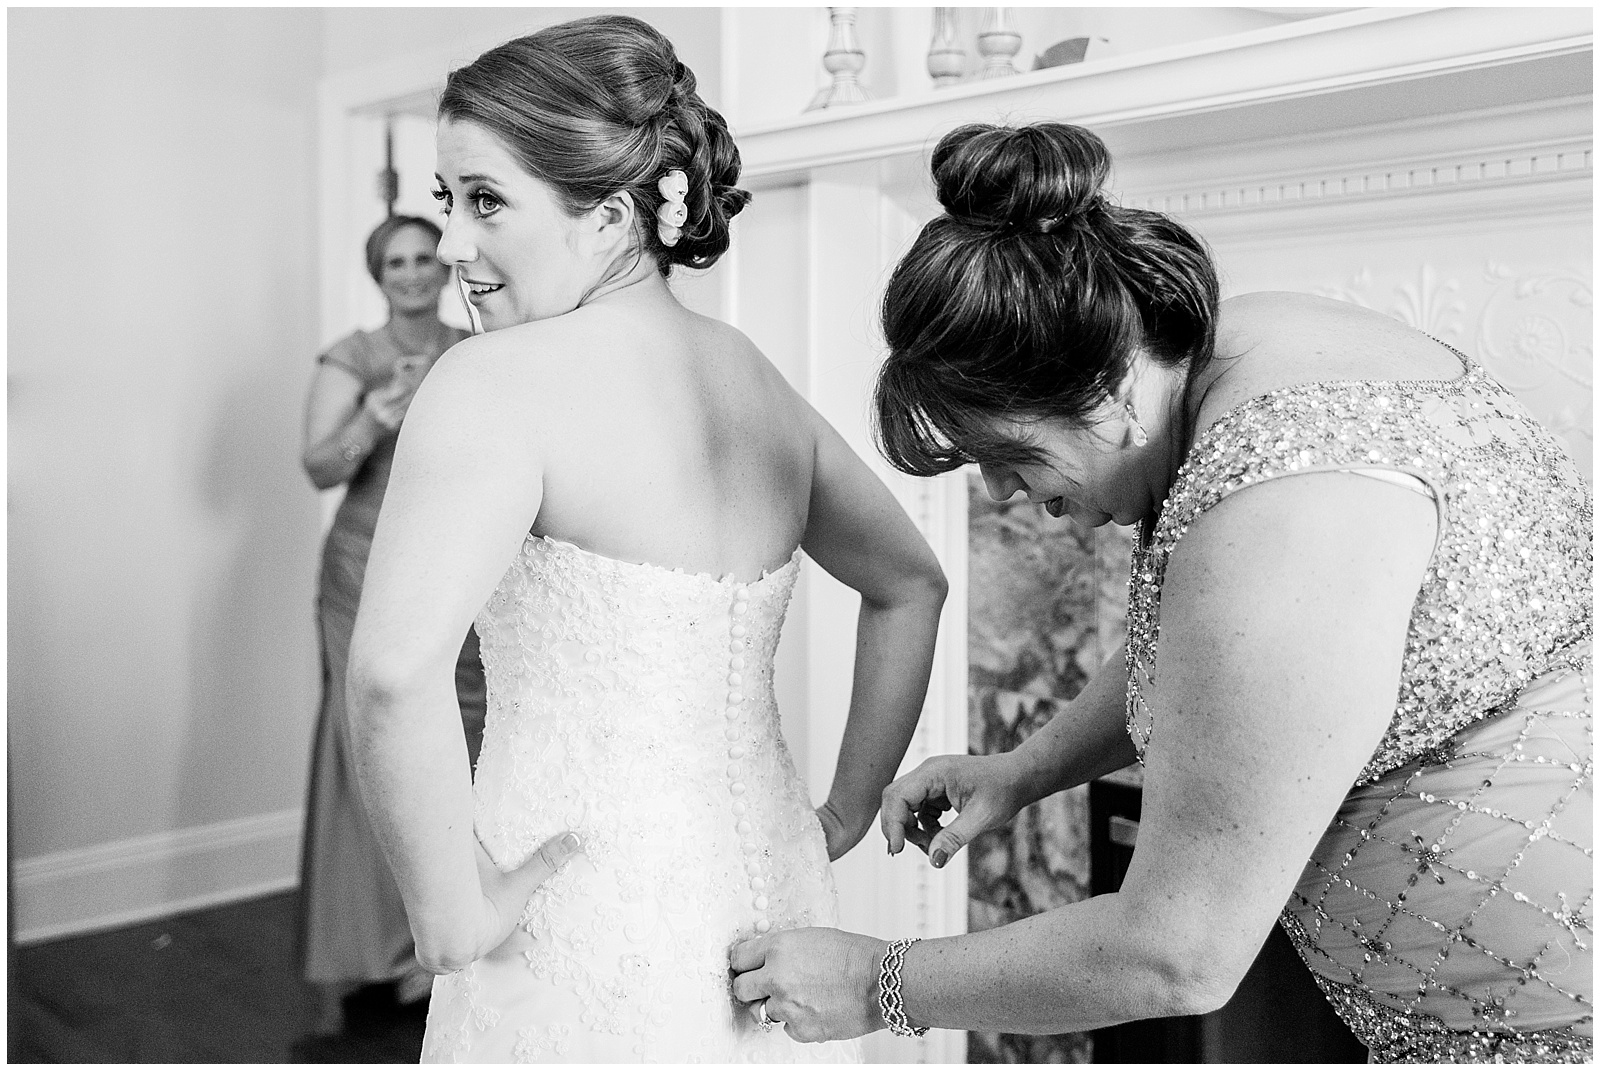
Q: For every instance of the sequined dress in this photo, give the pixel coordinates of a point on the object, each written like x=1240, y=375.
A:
x=1448, y=911
x=634, y=706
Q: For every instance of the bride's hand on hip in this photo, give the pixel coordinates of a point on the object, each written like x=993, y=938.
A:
x=505, y=895
x=819, y=984
x=984, y=790
x=840, y=834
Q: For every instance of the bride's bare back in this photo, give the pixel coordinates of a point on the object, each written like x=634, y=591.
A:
x=667, y=438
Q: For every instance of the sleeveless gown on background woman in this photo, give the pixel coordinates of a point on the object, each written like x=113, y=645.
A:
x=1448, y=912
x=634, y=706
x=353, y=926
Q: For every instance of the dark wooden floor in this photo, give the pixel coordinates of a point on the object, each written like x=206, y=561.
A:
x=215, y=986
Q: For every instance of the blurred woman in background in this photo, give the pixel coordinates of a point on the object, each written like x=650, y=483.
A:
x=353, y=926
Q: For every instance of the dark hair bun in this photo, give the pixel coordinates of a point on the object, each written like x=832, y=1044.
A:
x=1026, y=178
x=1031, y=296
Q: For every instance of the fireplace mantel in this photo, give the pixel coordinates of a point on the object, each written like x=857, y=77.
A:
x=1357, y=68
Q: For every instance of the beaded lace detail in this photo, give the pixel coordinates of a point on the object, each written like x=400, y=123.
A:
x=633, y=705
x=1448, y=911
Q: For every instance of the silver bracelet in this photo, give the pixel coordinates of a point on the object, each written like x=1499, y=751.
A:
x=890, y=1004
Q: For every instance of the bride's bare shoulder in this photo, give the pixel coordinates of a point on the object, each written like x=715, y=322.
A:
x=543, y=354
x=726, y=347
x=722, y=337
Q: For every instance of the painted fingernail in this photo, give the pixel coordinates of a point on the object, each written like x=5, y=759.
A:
x=939, y=857
x=571, y=842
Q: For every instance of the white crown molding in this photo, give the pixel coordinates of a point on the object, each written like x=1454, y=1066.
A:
x=1465, y=211
x=1496, y=181
x=1374, y=64
x=155, y=876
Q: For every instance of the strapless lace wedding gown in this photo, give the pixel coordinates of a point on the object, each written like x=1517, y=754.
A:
x=633, y=705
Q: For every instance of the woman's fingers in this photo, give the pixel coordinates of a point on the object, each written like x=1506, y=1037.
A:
x=897, y=812
x=542, y=864
x=893, y=816
x=506, y=894
x=833, y=832
x=751, y=986
x=749, y=955
x=957, y=835
x=927, y=823
x=909, y=803
x=914, y=805
x=748, y=960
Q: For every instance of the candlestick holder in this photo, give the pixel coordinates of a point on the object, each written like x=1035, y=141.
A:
x=998, y=43
x=843, y=60
x=947, y=60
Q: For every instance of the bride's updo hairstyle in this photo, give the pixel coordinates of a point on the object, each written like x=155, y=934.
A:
x=602, y=105
x=1028, y=298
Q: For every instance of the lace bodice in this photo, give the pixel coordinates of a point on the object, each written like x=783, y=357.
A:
x=634, y=706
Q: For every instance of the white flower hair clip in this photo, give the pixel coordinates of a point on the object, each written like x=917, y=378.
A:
x=673, y=213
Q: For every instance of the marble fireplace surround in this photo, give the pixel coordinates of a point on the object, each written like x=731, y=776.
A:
x=1433, y=164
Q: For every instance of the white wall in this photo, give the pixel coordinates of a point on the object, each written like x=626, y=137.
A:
x=162, y=297
x=355, y=37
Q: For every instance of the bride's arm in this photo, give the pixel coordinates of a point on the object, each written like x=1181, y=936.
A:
x=465, y=487
x=857, y=531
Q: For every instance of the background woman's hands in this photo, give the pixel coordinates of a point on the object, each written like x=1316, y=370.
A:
x=388, y=404
x=505, y=895
x=985, y=790
x=821, y=984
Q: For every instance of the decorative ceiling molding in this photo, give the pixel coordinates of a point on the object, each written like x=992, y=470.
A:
x=1562, y=162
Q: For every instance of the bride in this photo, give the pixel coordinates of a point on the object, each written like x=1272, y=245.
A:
x=617, y=491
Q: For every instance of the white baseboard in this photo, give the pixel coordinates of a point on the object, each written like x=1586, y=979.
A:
x=143, y=878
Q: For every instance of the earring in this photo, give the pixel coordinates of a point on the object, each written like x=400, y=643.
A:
x=1135, y=429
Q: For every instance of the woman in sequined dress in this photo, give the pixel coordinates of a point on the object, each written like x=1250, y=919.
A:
x=1360, y=696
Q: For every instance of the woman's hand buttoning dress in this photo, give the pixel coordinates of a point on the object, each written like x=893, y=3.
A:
x=620, y=493
x=1358, y=669
x=353, y=928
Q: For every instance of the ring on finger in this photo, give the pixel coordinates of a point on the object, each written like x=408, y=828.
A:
x=767, y=1021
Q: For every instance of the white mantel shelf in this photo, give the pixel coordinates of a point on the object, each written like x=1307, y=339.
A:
x=1378, y=65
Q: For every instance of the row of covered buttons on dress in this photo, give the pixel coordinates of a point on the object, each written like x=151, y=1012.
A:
x=749, y=846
